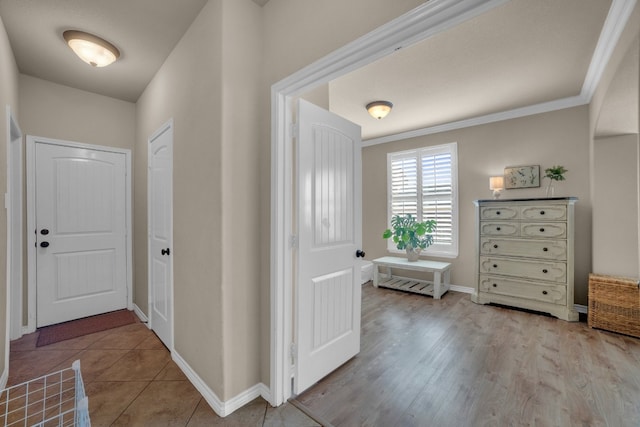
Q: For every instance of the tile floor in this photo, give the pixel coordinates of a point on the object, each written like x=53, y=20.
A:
x=131, y=380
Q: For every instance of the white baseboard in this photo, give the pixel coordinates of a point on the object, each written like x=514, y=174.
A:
x=581, y=308
x=4, y=378
x=463, y=289
x=467, y=290
x=143, y=317
x=222, y=408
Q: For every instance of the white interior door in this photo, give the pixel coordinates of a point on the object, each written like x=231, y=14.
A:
x=81, y=264
x=327, y=304
x=160, y=218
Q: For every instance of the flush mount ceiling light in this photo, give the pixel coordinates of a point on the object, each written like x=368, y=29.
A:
x=379, y=109
x=91, y=49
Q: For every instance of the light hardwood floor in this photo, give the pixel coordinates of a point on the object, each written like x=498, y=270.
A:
x=450, y=362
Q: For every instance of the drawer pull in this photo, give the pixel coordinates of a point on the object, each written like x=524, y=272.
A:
x=495, y=285
x=544, y=292
x=495, y=246
x=542, y=230
x=495, y=265
x=497, y=228
x=545, y=271
x=545, y=249
x=541, y=212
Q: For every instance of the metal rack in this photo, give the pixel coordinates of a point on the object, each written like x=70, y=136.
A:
x=56, y=399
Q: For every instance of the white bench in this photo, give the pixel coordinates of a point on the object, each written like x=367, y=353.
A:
x=435, y=288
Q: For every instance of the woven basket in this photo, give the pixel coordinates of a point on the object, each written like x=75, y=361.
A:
x=614, y=304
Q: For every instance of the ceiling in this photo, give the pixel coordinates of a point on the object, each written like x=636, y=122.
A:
x=145, y=32
x=520, y=53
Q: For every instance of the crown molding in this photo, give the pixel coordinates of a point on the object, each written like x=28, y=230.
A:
x=612, y=29
x=529, y=110
x=619, y=13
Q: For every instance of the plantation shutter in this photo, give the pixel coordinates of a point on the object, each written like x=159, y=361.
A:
x=437, y=194
x=423, y=183
x=404, y=184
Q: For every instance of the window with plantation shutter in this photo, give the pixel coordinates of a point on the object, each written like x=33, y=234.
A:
x=423, y=183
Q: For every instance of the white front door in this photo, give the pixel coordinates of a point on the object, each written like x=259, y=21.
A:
x=327, y=308
x=81, y=267
x=160, y=218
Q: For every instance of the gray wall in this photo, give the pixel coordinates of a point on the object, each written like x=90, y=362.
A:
x=559, y=137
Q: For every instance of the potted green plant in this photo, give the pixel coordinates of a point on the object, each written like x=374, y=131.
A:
x=554, y=173
x=409, y=234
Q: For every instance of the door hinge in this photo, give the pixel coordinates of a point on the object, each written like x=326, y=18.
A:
x=295, y=130
x=293, y=352
x=293, y=241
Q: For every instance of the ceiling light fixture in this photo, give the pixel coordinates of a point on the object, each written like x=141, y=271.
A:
x=379, y=109
x=91, y=49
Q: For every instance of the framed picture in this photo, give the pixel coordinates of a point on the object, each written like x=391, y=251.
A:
x=522, y=176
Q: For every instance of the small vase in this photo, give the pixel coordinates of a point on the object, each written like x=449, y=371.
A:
x=413, y=254
x=550, y=190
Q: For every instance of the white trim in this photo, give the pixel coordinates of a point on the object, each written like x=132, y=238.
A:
x=617, y=18
x=424, y=21
x=463, y=289
x=467, y=290
x=14, y=277
x=31, y=218
x=13, y=204
x=559, y=104
x=143, y=317
x=220, y=407
x=166, y=127
x=581, y=308
x=5, y=377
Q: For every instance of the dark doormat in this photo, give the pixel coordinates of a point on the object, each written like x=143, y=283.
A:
x=88, y=325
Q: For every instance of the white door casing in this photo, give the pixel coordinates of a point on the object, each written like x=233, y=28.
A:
x=160, y=234
x=426, y=20
x=328, y=291
x=14, y=227
x=81, y=253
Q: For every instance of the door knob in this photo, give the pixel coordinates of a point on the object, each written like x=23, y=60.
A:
x=44, y=231
x=360, y=253
x=44, y=244
x=166, y=251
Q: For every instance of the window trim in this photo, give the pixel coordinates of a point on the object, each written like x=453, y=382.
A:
x=436, y=250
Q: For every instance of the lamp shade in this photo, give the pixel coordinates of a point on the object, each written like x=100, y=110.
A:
x=91, y=49
x=379, y=109
x=496, y=183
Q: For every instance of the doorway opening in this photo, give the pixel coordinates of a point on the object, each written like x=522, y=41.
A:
x=420, y=23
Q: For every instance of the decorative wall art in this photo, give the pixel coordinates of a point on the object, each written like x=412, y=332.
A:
x=522, y=176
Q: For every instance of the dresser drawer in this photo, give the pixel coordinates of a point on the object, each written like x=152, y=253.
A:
x=543, y=249
x=544, y=229
x=495, y=228
x=499, y=212
x=555, y=294
x=549, y=213
x=540, y=270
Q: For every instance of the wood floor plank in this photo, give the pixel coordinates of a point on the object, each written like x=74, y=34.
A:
x=450, y=362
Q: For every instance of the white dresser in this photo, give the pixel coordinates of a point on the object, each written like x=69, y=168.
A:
x=524, y=254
